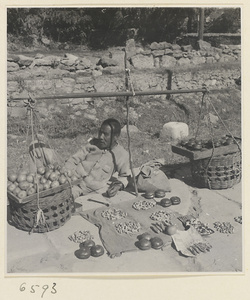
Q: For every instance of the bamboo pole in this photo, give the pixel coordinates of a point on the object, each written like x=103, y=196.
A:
x=112, y=94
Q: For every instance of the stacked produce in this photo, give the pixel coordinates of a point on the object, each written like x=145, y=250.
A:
x=202, y=145
x=25, y=183
x=146, y=242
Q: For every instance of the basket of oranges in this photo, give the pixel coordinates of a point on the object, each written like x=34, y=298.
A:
x=46, y=192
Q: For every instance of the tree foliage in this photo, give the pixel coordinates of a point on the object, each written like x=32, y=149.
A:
x=102, y=27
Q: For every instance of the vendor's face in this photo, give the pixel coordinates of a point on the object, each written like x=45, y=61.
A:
x=106, y=137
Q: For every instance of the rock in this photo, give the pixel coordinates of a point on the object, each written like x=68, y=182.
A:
x=196, y=60
x=12, y=66
x=183, y=61
x=175, y=47
x=187, y=48
x=202, y=45
x=86, y=72
x=157, y=53
x=130, y=48
x=210, y=60
x=113, y=70
x=107, y=62
x=13, y=58
x=96, y=73
x=132, y=129
x=213, y=119
x=24, y=60
x=168, y=61
x=168, y=52
x=146, y=52
x=154, y=46
x=177, y=54
x=45, y=41
x=76, y=101
x=143, y=62
x=12, y=86
x=217, y=56
x=46, y=61
x=226, y=58
x=70, y=56
x=84, y=63
x=174, y=131
x=83, y=79
x=157, y=62
x=39, y=56
x=88, y=116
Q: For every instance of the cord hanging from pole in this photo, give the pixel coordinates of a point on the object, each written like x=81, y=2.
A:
x=127, y=79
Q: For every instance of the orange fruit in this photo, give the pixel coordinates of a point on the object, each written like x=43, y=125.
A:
x=11, y=187
x=12, y=177
x=21, y=177
x=55, y=184
x=22, y=194
x=41, y=170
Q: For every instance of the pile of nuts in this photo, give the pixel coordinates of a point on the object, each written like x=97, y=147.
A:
x=113, y=214
x=224, y=227
x=162, y=216
x=128, y=227
x=203, y=229
x=143, y=205
x=80, y=236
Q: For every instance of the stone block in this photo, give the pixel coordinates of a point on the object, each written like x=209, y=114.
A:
x=157, y=53
x=196, y=60
x=25, y=60
x=168, y=61
x=183, y=61
x=174, y=131
x=175, y=47
x=12, y=66
x=143, y=62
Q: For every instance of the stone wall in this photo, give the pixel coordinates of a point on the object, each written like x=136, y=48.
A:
x=54, y=75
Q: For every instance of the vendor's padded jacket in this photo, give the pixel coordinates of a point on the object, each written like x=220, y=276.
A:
x=97, y=166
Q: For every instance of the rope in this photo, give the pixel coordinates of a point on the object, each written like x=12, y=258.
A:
x=39, y=215
x=127, y=80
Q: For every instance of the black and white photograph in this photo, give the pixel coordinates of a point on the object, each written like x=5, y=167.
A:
x=124, y=140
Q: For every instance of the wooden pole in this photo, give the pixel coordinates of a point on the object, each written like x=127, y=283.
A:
x=110, y=94
x=201, y=23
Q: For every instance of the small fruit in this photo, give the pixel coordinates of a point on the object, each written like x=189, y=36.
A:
x=145, y=235
x=97, y=250
x=47, y=174
x=30, y=178
x=83, y=253
x=149, y=195
x=170, y=230
x=21, y=177
x=54, y=184
x=22, y=194
x=11, y=187
x=144, y=244
x=16, y=191
x=41, y=170
x=160, y=193
x=12, y=177
x=87, y=243
x=31, y=191
x=53, y=176
x=62, y=179
x=175, y=200
x=24, y=185
x=156, y=242
x=43, y=180
x=74, y=178
x=166, y=202
x=46, y=186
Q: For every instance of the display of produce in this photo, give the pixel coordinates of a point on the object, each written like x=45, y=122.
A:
x=175, y=200
x=144, y=244
x=80, y=236
x=224, y=227
x=113, y=214
x=199, y=145
x=143, y=204
x=156, y=243
x=128, y=227
x=162, y=216
x=24, y=183
x=149, y=195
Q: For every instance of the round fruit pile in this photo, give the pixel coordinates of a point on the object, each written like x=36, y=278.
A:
x=195, y=144
x=146, y=242
x=89, y=248
x=25, y=183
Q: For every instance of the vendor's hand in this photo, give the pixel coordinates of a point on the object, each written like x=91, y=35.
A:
x=114, y=188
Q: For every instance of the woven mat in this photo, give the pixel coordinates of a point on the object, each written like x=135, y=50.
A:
x=116, y=243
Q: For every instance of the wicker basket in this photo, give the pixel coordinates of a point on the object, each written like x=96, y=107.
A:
x=57, y=208
x=219, y=172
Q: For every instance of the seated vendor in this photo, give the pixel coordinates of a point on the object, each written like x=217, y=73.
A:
x=97, y=161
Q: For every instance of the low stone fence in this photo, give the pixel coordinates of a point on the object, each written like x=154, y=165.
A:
x=154, y=68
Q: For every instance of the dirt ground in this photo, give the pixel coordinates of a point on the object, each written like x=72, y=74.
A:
x=53, y=252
